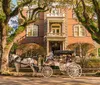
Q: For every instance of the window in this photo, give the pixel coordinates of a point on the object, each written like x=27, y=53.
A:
x=79, y=31
x=32, y=30
x=35, y=30
x=55, y=28
x=76, y=30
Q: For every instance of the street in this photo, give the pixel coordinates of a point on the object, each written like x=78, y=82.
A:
x=8, y=80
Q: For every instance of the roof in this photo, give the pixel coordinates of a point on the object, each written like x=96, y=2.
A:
x=59, y=52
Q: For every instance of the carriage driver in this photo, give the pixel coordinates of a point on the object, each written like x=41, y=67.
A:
x=50, y=56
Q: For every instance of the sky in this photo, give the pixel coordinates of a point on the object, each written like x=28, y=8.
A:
x=14, y=2
x=13, y=22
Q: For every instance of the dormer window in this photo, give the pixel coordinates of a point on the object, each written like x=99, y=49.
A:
x=55, y=11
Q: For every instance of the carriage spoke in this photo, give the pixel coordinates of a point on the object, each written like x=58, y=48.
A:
x=74, y=70
x=47, y=71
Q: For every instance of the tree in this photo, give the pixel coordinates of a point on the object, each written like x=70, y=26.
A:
x=82, y=50
x=88, y=13
x=8, y=40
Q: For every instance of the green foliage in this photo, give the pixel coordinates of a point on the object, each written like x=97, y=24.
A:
x=97, y=74
x=10, y=29
x=99, y=51
x=10, y=38
x=87, y=11
x=2, y=17
x=83, y=62
x=90, y=63
x=94, y=36
x=94, y=62
x=19, y=30
x=14, y=47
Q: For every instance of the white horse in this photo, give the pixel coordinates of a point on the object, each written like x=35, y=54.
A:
x=19, y=62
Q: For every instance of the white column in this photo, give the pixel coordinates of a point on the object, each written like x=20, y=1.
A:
x=47, y=47
x=63, y=45
x=80, y=48
x=47, y=26
x=63, y=29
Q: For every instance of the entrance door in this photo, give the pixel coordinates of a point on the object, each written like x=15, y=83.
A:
x=55, y=46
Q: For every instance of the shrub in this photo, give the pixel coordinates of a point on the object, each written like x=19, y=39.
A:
x=93, y=62
x=90, y=63
x=97, y=74
x=83, y=62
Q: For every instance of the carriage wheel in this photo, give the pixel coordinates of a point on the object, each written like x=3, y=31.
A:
x=47, y=71
x=74, y=70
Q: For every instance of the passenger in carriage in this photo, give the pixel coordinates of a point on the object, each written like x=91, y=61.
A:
x=69, y=58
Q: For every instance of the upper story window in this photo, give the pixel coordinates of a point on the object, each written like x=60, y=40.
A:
x=55, y=28
x=79, y=31
x=32, y=30
x=55, y=11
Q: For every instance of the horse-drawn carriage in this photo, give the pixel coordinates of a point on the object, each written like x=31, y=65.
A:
x=64, y=60
x=61, y=59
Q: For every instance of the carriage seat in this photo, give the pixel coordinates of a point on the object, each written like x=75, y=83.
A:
x=49, y=62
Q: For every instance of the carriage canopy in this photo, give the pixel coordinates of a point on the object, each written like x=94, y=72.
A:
x=63, y=52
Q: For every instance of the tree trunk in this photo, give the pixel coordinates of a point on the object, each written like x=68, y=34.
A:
x=0, y=44
x=6, y=48
x=3, y=42
x=5, y=55
x=5, y=59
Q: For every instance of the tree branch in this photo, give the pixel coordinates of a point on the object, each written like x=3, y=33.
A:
x=38, y=10
x=86, y=16
x=6, y=7
x=97, y=11
x=85, y=19
x=17, y=9
x=22, y=15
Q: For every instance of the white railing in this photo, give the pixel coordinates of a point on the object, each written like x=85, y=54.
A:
x=55, y=35
x=55, y=15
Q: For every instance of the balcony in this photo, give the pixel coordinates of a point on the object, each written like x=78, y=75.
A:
x=55, y=35
x=55, y=15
